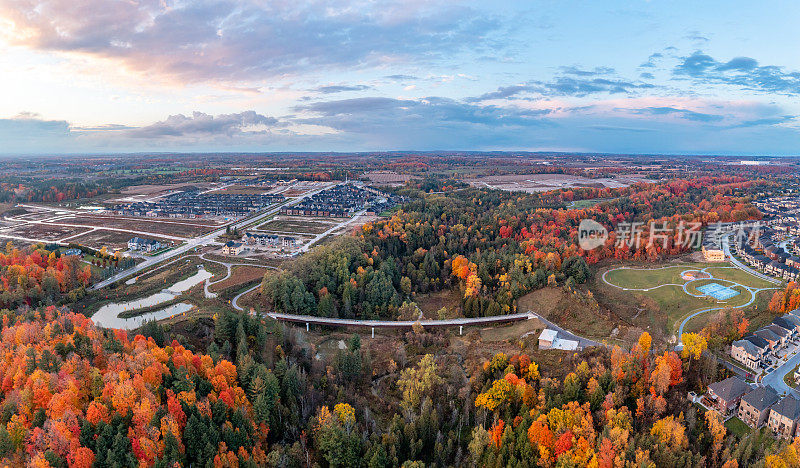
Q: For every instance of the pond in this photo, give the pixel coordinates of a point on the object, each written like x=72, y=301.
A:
x=108, y=315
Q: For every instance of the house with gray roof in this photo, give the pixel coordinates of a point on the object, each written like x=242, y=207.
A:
x=786, y=325
x=770, y=337
x=793, y=319
x=783, y=333
x=783, y=417
x=727, y=393
x=747, y=353
x=755, y=406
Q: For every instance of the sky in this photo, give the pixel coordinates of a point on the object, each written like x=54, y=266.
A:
x=668, y=77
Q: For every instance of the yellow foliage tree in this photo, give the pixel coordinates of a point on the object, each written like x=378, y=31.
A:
x=693, y=345
x=644, y=342
x=670, y=432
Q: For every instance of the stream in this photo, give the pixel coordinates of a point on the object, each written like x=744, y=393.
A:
x=108, y=315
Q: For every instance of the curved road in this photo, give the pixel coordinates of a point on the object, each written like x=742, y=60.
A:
x=227, y=265
x=235, y=300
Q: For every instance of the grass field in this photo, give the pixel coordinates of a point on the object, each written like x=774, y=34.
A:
x=580, y=204
x=648, y=278
x=739, y=276
x=555, y=304
x=661, y=301
x=737, y=426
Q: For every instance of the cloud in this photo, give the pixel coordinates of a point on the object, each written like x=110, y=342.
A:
x=768, y=121
x=401, y=77
x=574, y=82
x=340, y=88
x=432, y=122
x=28, y=126
x=743, y=72
x=696, y=37
x=505, y=92
x=201, y=125
x=581, y=87
x=239, y=40
x=651, y=61
x=683, y=113
x=581, y=72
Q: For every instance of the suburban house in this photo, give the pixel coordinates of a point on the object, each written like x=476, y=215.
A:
x=144, y=245
x=197, y=204
x=726, y=394
x=712, y=252
x=259, y=239
x=793, y=319
x=232, y=248
x=70, y=252
x=787, y=325
x=289, y=241
x=779, y=331
x=755, y=405
x=748, y=353
x=770, y=337
x=783, y=417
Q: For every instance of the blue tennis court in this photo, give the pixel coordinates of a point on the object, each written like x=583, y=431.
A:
x=718, y=291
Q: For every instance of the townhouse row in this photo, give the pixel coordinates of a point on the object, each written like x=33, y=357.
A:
x=757, y=407
x=760, y=349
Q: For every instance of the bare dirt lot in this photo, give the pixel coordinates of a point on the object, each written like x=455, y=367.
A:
x=45, y=232
x=172, y=227
x=299, y=224
x=100, y=238
x=544, y=182
x=241, y=275
x=388, y=178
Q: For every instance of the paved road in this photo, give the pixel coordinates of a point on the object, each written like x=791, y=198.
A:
x=726, y=248
x=775, y=378
x=235, y=300
x=200, y=241
x=582, y=342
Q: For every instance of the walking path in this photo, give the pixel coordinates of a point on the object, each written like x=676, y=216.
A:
x=457, y=322
x=753, y=292
x=227, y=265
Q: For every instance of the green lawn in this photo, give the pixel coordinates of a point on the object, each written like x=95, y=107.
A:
x=741, y=277
x=737, y=427
x=789, y=377
x=580, y=204
x=648, y=277
x=671, y=299
x=676, y=304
